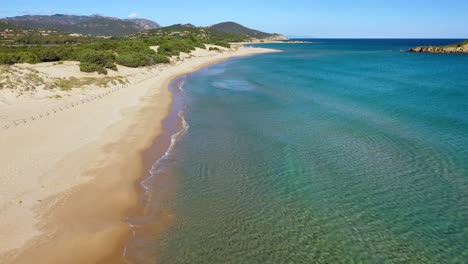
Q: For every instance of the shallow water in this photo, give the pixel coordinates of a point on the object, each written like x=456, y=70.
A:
x=345, y=151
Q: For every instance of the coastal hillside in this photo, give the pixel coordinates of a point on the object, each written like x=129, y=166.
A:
x=5, y=26
x=145, y=23
x=209, y=34
x=461, y=47
x=232, y=27
x=11, y=34
x=87, y=25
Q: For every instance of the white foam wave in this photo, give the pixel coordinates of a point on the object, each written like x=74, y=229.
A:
x=157, y=168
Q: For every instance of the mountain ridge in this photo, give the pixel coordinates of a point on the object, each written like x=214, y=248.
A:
x=87, y=25
x=99, y=25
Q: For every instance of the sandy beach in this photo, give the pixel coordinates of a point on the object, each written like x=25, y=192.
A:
x=70, y=160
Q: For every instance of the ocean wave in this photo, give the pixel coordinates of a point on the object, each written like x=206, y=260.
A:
x=213, y=70
x=234, y=85
x=156, y=168
x=181, y=86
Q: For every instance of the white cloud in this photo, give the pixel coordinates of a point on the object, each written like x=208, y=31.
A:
x=132, y=15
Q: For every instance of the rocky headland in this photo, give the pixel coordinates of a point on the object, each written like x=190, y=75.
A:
x=461, y=47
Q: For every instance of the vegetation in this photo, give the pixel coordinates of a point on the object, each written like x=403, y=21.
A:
x=87, y=25
x=73, y=82
x=100, y=54
x=231, y=27
x=95, y=57
x=8, y=26
x=96, y=60
x=21, y=79
x=32, y=38
x=459, y=44
x=202, y=34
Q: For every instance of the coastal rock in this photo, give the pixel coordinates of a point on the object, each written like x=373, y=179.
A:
x=455, y=48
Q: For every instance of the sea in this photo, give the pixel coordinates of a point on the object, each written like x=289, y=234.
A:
x=334, y=151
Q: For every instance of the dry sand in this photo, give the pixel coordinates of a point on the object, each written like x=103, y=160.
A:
x=68, y=169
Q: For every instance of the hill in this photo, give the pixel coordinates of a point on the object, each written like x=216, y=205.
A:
x=206, y=34
x=8, y=26
x=232, y=27
x=87, y=25
x=145, y=23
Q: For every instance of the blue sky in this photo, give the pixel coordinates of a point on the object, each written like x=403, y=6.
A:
x=297, y=18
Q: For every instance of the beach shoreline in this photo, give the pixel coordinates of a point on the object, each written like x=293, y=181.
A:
x=74, y=211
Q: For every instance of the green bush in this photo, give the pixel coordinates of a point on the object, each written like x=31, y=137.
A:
x=222, y=44
x=6, y=59
x=18, y=57
x=157, y=58
x=26, y=57
x=47, y=54
x=132, y=59
x=89, y=67
x=175, y=47
x=139, y=59
x=153, y=41
x=167, y=50
x=133, y=47
x=97, y=60
x=66, y=53
x=214, y=48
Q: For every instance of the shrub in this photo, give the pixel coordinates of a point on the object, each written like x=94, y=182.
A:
x=95, y=60
x=133, y=47
x=167, y=50
x=139, y=59
x=66, y=53
x=89, y=67
x=222, y=44
x=132, y=59
x=160, y=58
x=153, y=41
x=47, y=54
x=6, y=59
x=214, y=48
x=102, y=58
x=175, y=47
x=26, y=57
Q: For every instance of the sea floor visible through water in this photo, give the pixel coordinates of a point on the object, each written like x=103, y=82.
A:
x=339, y=151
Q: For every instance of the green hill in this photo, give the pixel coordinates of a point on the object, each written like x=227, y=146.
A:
x=204, y=33
x=232, y=27
x=8, y=26
x=86, y=25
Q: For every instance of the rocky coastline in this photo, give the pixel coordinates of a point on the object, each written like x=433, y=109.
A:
x=456, y=48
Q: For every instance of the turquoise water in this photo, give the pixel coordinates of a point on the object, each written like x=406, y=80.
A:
x=345, y=151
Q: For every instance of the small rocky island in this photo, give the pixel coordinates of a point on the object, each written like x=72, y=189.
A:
x=461, y=47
